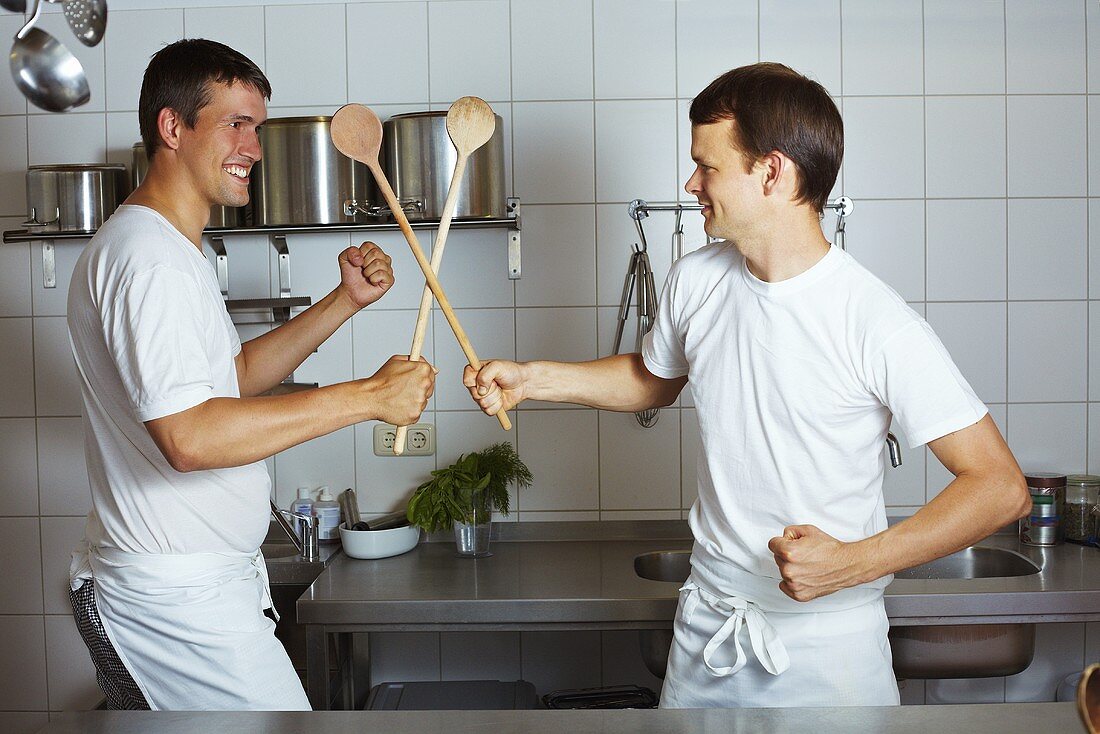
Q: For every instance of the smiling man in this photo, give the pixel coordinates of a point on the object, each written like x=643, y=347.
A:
x=169, y=588
x=797, y=359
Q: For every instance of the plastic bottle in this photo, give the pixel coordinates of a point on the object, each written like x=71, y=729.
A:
x=327, y=510
x=303, y=505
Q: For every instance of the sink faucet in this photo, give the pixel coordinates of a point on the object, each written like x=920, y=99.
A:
x=308, y=545
x=895, y=450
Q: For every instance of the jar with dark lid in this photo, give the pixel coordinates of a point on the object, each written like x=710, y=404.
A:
x=1042, y=526
x=1082, y=498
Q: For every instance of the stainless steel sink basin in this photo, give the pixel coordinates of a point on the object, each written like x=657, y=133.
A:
x=278, y=550
x=975, y=562
x=933, y=651
x=663, y=565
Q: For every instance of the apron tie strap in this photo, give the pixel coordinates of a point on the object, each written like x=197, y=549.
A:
x=260, y=565
x=763, y=638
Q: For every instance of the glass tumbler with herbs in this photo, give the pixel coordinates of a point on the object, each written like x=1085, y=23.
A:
x=465, y=494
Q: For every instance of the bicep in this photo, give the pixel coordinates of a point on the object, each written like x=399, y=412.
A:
x=173, y=434
x=664, y=390
x=974, y=449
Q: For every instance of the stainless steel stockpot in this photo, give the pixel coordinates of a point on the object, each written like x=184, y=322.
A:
x=220, y=216
x=303, y=179
x=419, y=159
x=73, y=197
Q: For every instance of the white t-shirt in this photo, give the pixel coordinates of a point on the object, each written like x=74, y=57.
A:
x=794, y=384
x=151, y=338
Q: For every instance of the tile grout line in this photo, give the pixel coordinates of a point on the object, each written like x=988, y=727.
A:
x=1008, y=233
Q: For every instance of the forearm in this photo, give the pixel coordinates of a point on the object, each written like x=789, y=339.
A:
x=226, y=432
x=268, y=359
x=970, y=508
x=620, y=383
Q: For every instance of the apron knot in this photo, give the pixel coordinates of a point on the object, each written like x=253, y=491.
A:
x=763, y=638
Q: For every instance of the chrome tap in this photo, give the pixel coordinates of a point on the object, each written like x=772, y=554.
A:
x=895, y=450
x=308, y=545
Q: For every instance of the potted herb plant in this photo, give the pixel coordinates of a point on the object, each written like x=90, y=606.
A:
x=465, y=494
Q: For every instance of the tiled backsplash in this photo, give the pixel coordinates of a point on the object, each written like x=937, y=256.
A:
x=968, y=156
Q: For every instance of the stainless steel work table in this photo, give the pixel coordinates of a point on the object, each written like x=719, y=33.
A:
x=555, y=576
x=1007, y=718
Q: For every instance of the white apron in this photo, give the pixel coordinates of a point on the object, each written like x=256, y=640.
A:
x=728, y=652
x=191, y=630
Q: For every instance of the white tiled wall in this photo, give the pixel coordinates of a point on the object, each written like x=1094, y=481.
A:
x=971, y=153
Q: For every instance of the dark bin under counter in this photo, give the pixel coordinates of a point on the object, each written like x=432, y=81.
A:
x=453, y=695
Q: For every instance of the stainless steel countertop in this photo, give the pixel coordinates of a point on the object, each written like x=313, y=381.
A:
x=1007, y=718
x=586, y=579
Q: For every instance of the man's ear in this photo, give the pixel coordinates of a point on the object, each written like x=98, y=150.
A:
x=169, y=127
x=777, y=172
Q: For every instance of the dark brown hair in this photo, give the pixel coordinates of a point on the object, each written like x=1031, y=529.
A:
x=179, y=77
x=776, y=108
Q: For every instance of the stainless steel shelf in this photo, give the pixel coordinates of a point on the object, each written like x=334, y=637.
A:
x=277, y=237
x=22, y=235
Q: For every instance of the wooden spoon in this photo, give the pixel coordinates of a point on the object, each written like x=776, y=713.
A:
x=470, y=124
x=357, y=133
x=1088, y=698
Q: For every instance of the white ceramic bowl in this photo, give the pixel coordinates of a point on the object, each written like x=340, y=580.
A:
x=379, y=543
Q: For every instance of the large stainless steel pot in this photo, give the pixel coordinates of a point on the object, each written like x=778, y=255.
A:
x=302, y=178
x=76, y=197
x=419, y=158
x=220, y=216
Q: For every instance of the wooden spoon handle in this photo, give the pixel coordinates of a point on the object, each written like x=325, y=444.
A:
x=429, y=276
x=426, y=297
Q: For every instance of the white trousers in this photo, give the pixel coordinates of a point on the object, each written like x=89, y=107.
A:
x=728, y=653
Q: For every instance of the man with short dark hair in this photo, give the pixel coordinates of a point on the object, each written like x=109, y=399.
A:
x=797, y=359
x=169, y=587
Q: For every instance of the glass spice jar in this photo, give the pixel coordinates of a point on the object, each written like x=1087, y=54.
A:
x=1042, y=526
x=1079, y=523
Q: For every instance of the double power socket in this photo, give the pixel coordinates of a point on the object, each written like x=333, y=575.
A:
x=419, y=441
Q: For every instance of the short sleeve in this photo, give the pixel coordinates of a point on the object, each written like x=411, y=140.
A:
x=915, y=377
x=155, y=335
x=663, y=347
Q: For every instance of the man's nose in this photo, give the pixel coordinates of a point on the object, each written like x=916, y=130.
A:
x=250, y=147
x=691, y=185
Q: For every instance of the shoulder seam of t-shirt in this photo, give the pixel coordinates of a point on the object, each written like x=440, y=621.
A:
x=128, y=282
x=897, y=332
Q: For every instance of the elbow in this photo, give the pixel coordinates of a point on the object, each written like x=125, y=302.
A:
x=182, y=460
x=1019, y=499
x=182, y=454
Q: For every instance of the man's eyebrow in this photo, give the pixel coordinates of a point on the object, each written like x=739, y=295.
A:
x=236, y=117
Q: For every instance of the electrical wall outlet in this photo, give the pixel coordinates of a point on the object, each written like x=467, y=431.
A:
x=419, y=440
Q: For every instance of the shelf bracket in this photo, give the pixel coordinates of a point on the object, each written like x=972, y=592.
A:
x=221, y=263
x=515, y=269
x=278, y=241
x=49, y=265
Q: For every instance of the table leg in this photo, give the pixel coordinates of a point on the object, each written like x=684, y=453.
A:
x=317, y=667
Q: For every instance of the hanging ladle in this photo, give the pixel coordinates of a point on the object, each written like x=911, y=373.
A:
x=86, y=18
x=45, y=71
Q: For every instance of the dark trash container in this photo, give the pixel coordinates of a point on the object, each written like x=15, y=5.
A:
x=453, y=695
x=609, y=697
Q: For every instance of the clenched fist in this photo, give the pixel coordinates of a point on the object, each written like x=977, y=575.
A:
x=400, y=390
x=498, y=384
x=365, y=273
x=814, y=563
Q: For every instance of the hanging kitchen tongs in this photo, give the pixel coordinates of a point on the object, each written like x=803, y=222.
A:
x=639, y=279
